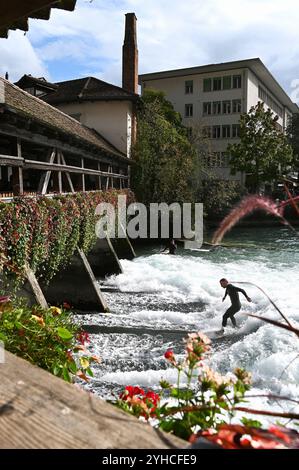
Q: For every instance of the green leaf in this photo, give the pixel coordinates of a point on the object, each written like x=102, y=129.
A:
x=72, y=367
x=89, y=372
x=3, y=337
x=251, y=423
x=63, y=333
x=66, y=375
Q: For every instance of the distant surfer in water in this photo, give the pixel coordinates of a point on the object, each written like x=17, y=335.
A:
x=171, y=247
x=233, y=293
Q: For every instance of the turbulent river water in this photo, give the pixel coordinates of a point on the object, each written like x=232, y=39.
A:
x=159, y=298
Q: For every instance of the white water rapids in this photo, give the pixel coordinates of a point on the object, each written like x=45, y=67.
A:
x=159, y=297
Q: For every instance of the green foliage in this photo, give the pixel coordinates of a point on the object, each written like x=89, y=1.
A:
x=44, y=233
x=293, y=136
x=263, y=152
x=219, y=196
x=158, y=100
x=166, y=162
x=47, y=338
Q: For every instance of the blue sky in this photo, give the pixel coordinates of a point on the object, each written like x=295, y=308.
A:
x=171, y=34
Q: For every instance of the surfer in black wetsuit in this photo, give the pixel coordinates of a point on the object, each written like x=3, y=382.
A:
x=171, y=247
x=233, y=293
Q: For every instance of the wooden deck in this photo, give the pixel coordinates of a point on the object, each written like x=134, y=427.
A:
x=40, y=411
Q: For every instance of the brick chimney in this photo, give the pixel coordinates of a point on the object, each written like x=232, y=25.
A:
x=130, y=55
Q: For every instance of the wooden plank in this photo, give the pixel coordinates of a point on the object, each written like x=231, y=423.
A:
x=40, y=411
x=35, y=287
x=83, y=175
x=68, y=177
x=99, y=177
x=59, y=174
x=9, y=160
x=44, y=181
x=37, y=165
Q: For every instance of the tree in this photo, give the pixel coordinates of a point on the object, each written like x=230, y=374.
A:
x=165, y=108
x=263, y=152
x=293, y=136
x=166, y=163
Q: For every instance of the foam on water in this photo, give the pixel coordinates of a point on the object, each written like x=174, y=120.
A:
x=183, y=292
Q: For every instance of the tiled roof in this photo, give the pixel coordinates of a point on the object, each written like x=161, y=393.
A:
x=34, y=108
x=87, y=89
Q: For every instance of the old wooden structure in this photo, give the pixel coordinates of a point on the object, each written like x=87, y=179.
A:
x=43, y=150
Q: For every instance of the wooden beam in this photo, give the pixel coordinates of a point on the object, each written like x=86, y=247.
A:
x=37, y=165
x=83, y=175
x=9, y=160
x=45, y=178
x=59, y=174
x=41, y=411
x=99, y=178
x=17, y=180
x=68, y=177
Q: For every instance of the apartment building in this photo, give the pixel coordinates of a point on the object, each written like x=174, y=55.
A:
x=212, y=97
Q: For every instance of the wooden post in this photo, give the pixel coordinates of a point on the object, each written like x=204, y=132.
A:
x=44, y=181
x=59, y=174
x=99, y=178
x=17, y=174
x=68, y=176
x=83, y=176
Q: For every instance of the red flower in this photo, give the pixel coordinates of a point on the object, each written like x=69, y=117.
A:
x=169, y=355
x=131, y=391
x=153, y=397
x=66, y=306
x=83, y=337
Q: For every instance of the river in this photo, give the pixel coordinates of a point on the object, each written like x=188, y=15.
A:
x=159, y=298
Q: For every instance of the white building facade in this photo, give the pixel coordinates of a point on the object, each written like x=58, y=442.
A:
x=213, y=97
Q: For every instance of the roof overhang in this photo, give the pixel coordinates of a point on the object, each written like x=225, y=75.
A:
x=16, y=13
x=255, y=65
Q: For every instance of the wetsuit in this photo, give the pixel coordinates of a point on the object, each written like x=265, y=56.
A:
x=233, y=293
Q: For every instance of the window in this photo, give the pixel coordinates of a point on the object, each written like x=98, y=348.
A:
x=217, y=84
x=207, y=84
x=189, y=87
x=217, y=107
x=217, y=160
x=188, y=110
x=237, y=81
x=207, y=132
x=207, y=108
x=225, y=132
x=216, y=132
x=236, y=130
x=226, y=107
x=237, y=106
x=227, y=82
